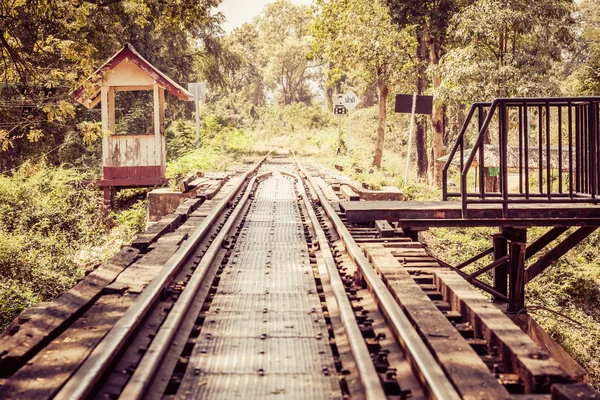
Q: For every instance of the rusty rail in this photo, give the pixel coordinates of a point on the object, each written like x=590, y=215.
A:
x=366, y=369
x=91, y=371
x=426, y=368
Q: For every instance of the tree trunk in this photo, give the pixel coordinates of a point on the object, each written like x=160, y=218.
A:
x=383, y=93
x=437, y=116
x=421, y=143
x=421, y=124
x=329, y=98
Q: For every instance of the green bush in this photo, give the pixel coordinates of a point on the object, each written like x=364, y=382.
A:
x=134, y=218
x=53, y=228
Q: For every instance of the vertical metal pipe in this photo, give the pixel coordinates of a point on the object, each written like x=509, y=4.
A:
x=500, y=272
x=526, y=142
x=592, y=141
x=548, y=158
x=578, y=149
x=504, y=160
x=540, y=140
x=516, y=266
x=597, y=140
x=482, y=116
x=585, y=148
x=570, y=135
x=521, y=149
x=560, y=155
x=501, y=144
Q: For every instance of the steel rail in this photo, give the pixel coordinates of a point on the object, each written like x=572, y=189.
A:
x=426, y=368
x=366, y=369
x=141, y=379
x=83, y=381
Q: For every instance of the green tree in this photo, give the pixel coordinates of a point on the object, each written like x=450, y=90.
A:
x=247, y=82
x=431, y=19
x=48, y=47
x=585, y=79
x=285, y=41
x=359, y=37
x=506, y=48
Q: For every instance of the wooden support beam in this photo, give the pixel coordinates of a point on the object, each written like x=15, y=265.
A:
x=553, y=255
x=473, y=259
x=544, y=241
x=574, y=392
x=516, y=269
x=156, y=121
x=489, y=267
x=349, y=194
x=111, y=109
x=500, y=272
x=104, y=111
x=384, y=229
x=483, y=286
x=132, y=88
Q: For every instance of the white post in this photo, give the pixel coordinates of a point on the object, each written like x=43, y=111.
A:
x=410, y=135
x=157, y=142
x=105, y=123
x=197, y=123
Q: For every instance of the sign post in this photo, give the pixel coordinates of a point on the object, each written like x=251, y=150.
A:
x=410, y=135
x=349, y=100
x=413, y=104
x=339, y=110
x=198, y=89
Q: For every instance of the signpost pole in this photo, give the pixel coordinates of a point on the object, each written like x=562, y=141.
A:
x=198, y=90
x=410, y=135
x=197, y=123
x=348, y=135
x=339, y=133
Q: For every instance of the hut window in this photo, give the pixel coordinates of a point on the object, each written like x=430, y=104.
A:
x=133, y=112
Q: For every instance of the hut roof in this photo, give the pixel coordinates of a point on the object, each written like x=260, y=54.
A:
x=90, y=96
x=492, y=157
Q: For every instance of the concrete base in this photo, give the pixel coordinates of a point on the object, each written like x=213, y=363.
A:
x=163, y=201
x=387, y=193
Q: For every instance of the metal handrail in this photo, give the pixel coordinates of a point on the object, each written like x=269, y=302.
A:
x=460, y=142
x=582, y=134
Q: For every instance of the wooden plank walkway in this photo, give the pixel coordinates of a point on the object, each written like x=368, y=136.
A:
x=449, y=213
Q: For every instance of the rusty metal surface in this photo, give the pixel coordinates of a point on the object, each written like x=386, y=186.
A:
x=265, y=334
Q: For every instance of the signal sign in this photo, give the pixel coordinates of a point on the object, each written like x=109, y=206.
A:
x=340, y=109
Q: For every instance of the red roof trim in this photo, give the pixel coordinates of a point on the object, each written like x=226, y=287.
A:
x=129, y=52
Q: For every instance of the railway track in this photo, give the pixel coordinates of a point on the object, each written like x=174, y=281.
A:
x=263, y=290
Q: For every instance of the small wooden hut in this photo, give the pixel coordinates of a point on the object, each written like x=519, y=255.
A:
x=132, y=159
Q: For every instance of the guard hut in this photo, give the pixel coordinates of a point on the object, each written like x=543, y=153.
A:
x=132, y=159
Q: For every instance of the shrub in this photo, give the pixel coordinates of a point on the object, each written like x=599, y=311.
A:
x=52, y=229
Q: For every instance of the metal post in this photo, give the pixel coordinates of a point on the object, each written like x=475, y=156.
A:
x=339, y=133
x=348, y=135
x=197, y=123
x=518, y=247
x=410, y=135
x=500, y=272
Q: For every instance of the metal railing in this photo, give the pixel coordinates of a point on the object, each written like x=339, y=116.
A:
x=548, y=147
